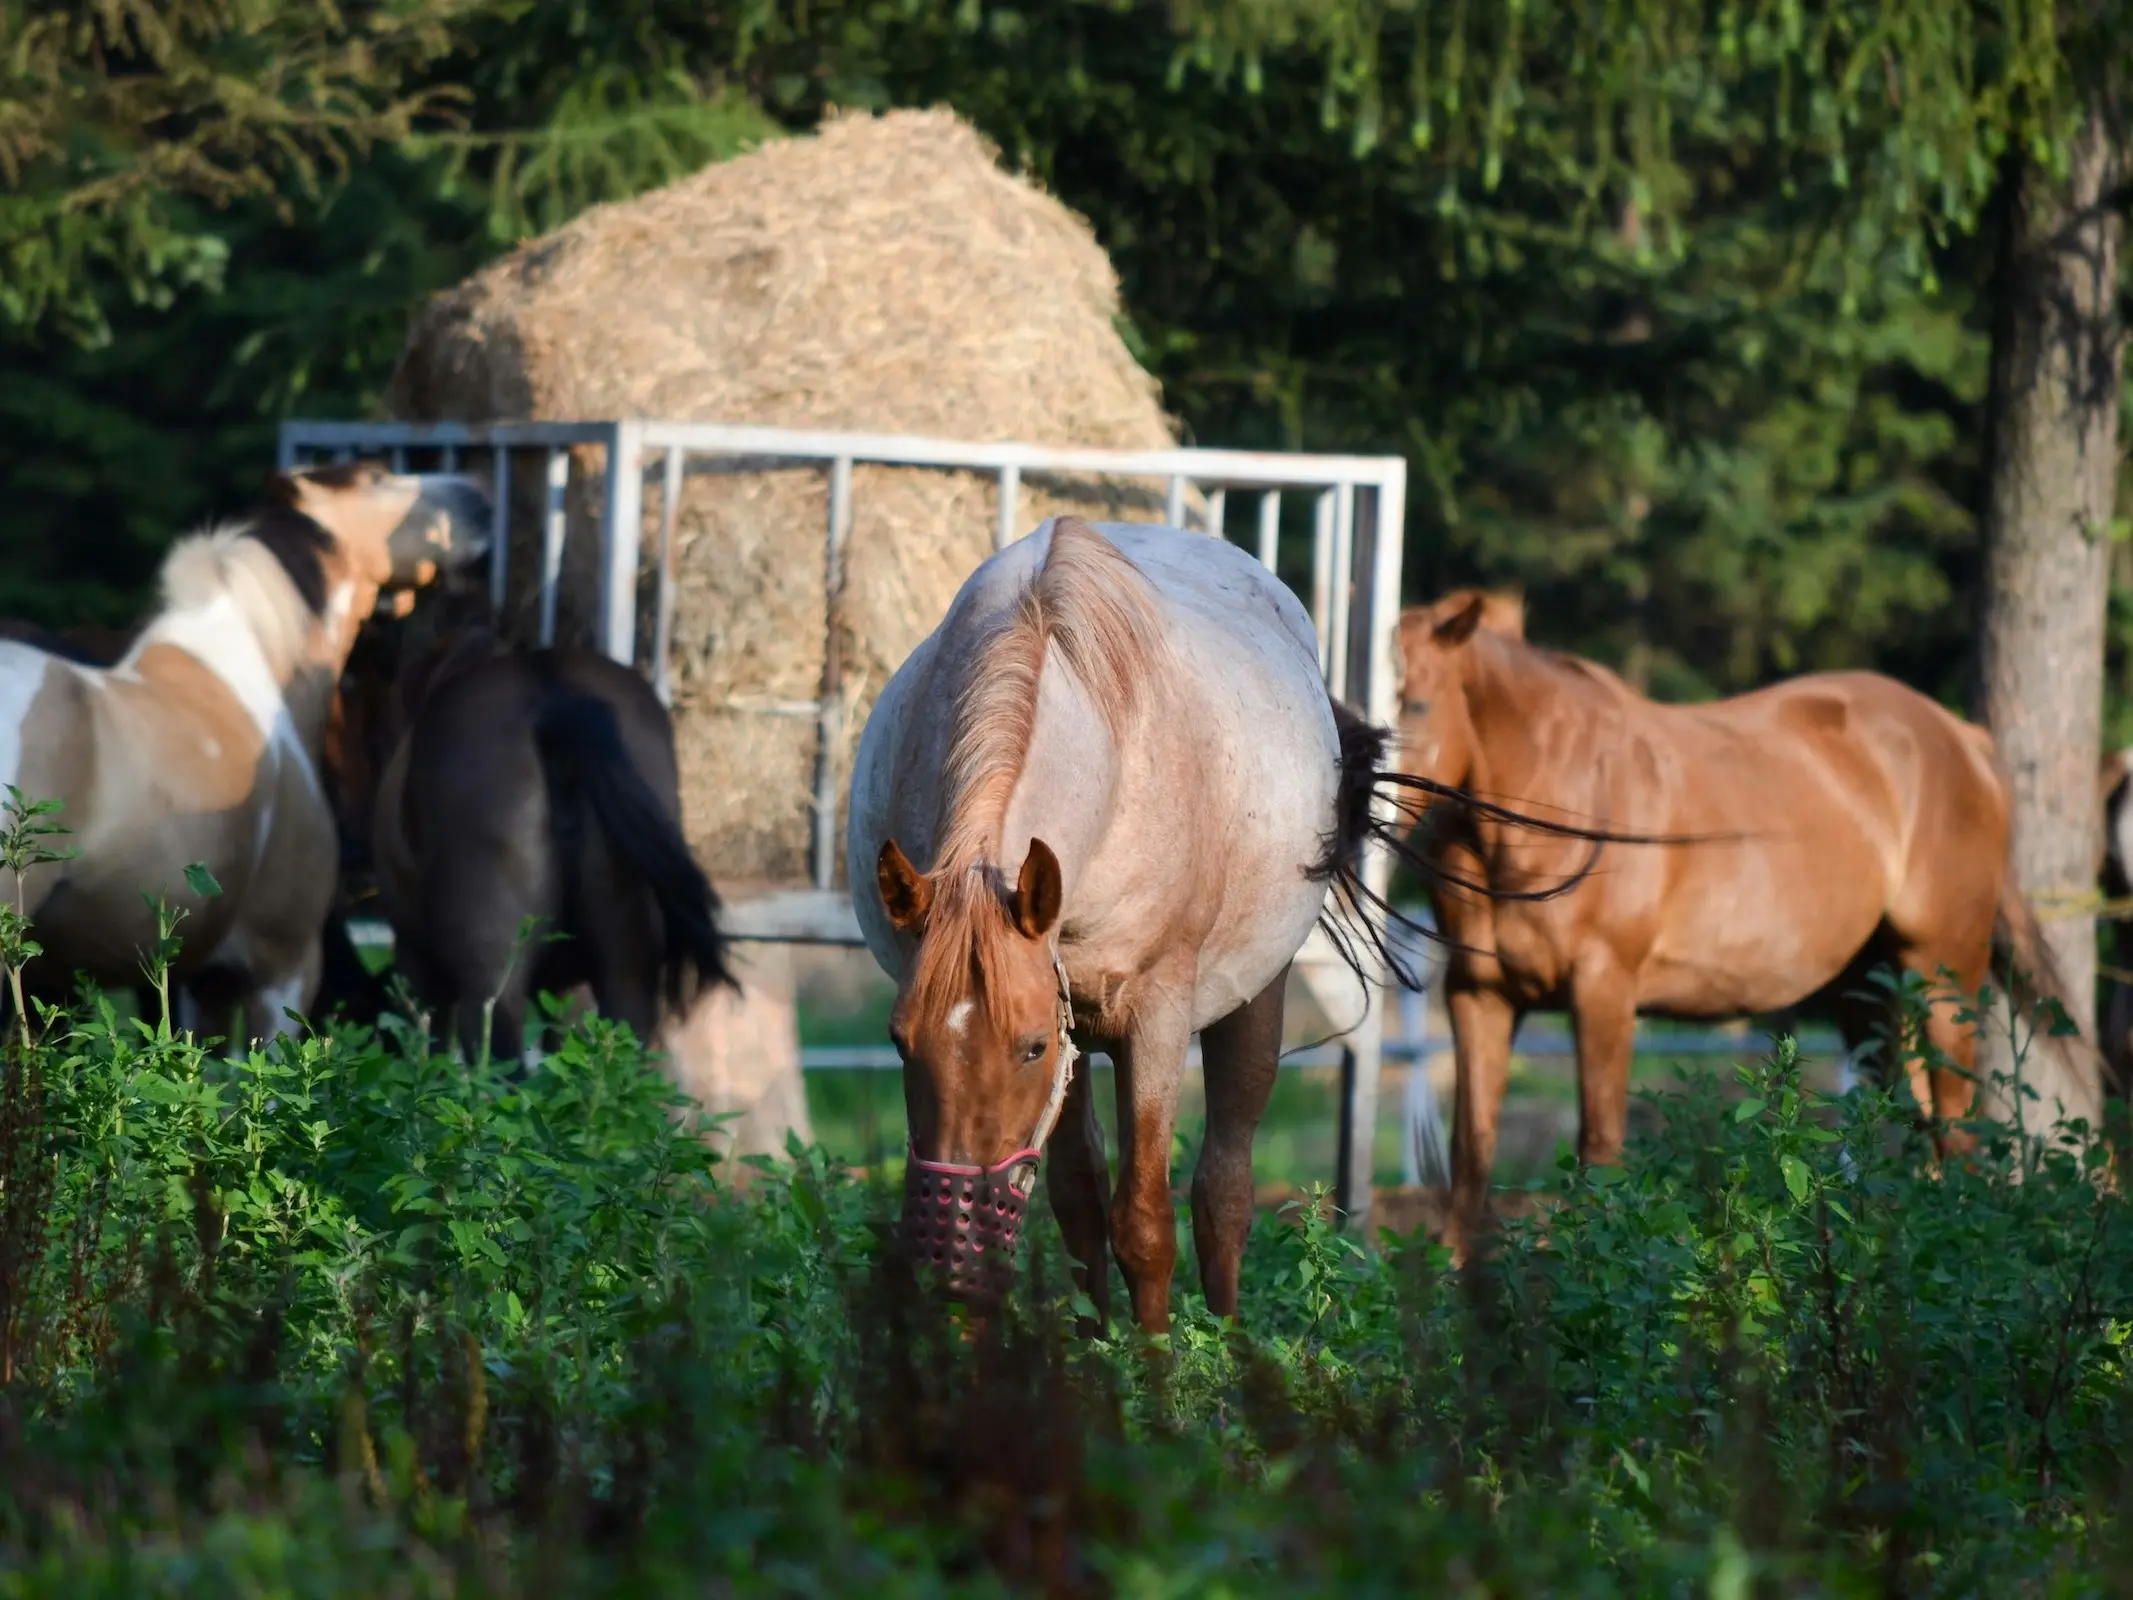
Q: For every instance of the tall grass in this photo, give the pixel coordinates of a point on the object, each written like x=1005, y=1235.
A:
x=343, y=1318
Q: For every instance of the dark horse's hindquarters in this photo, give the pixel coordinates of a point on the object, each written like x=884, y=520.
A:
x=542, y=786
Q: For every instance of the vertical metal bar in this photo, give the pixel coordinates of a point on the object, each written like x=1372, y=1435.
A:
x=1321, y=568
x=552, y=538
x=399, y=458
x=621, y=543
x=345, y=453
x=1362, y=562
x=1362, y=1057
x=1174, y=502
x=500, y=530
x=1342, y=594
x=1217, y=510
x=1010, y=512
x=1382, y=692
x=451, y=458
x=285, y=450
x=663, y=627
x=1269, y=528
x=829, y=718
x=1359, y=1077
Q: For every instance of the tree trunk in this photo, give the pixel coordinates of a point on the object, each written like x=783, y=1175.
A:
x=2057, y=354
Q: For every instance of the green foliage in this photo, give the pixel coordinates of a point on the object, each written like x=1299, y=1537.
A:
x=114, y=111
x=1720, y=420
x=1907, y=104
x=344, y=1318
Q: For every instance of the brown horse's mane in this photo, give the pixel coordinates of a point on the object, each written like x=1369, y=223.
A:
x=1090, y=604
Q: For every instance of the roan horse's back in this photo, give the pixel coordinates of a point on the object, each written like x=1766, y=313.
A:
x=1244, y=700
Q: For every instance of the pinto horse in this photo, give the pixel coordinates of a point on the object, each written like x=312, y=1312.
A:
x=345, y=982
x=1101, y=804
x=202, y=743
x=1815, y=830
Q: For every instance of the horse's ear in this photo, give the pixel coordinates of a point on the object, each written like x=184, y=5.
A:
x=1504, y=611
x=1037, y=891
x=1455, y=629
x=905, y=893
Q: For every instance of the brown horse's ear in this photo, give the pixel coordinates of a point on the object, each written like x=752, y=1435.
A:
x=1037, y=891
x=905, y=893
x=1454, y=630
x=1504, y=611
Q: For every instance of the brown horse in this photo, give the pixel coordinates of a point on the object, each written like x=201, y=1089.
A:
x=537, y=785
x=202, y=743
x=1832, y=824
x=1103, y=800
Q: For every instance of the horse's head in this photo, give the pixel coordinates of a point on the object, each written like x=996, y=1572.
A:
x=389, y=530
x=980, y=1022
x=1432, y=651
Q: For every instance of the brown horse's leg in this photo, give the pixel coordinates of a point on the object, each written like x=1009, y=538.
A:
x=1075, y=1180
x=1604, y=1016
x=1143, y=1227
x=1944, y=1093
x=1483, y=1022
x=1239, y=1056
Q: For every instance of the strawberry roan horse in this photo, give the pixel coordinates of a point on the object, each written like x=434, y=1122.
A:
x=202, y=743
x=1110, y=786
x=1816, y=829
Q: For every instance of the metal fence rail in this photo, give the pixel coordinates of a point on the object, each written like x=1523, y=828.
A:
x=1358, y=506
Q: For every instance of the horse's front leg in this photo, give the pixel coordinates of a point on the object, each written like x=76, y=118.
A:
x=1604, y=1016
x=1075, y=1180
x=1239, y=1059
x=1483, y=1024
x=1151, y=1072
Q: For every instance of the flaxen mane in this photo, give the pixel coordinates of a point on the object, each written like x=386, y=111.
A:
x=270, y=582
x=1091, y=606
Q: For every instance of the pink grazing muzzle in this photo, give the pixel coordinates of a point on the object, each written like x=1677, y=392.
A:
x=963, y=1222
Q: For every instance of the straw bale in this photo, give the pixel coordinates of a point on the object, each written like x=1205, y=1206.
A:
x=738, y=1055
x=882, y=276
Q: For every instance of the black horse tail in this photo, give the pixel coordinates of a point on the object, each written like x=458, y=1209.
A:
x=589, y=773
x=1359, y=920
x=1347, y=922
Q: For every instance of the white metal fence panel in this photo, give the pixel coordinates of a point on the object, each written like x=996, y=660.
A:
x=1358, y=512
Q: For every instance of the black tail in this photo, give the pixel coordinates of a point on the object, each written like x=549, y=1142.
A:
x=1357, y=920
x=587, y=765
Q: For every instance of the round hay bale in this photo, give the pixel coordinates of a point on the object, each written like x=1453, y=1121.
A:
x=883, y=276
x=739, y=1054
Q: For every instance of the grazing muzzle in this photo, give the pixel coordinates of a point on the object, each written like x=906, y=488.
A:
x=963, y=1222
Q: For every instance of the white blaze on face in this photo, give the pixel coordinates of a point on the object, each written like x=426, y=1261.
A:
x=22, y=673
x=959, y=1018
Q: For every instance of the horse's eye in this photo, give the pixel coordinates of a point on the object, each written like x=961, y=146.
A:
x=903, y=1048
x=1033, y=1050
x=1414, y=708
